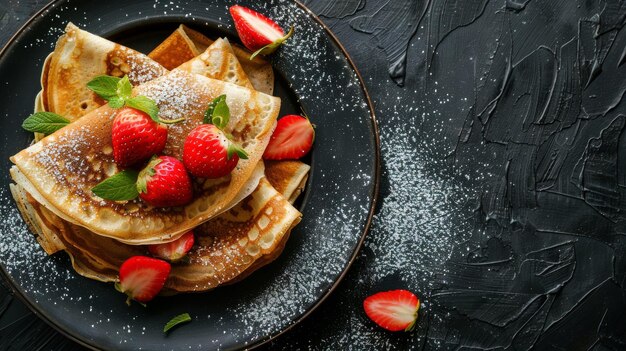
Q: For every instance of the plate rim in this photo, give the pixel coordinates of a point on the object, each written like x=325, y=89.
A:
x=33, y=307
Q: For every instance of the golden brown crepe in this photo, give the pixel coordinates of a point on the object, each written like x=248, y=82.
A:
x=229, y=247
x=61, y=169
x=245, y=238
x=79, y=57
x=185, y=44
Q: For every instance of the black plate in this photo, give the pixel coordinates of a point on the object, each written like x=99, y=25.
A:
x=314, y=73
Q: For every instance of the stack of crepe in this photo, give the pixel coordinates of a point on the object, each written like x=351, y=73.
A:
x=241, y=221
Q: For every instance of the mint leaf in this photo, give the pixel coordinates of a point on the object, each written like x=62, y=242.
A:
x=217, y=112
x=208, y=114
x=104, y=86
x=116, y=102
x=181, y=318
x=44, y=122
x=124, y=88
x=146, y=105
x=221, y=114
x=118, y=93
x=119, y=187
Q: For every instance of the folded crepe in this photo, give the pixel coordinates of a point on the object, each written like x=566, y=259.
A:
x=61, y=169
x=241, y=240
x=79, y=56
x=185, y=44
x=215, y=259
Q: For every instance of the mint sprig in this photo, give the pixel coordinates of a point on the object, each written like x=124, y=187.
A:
x=118, y=93
x=104, y=86
x=120, y=187
x=181, y=318
x=44, y=122
x=217, y=112
x=124, y=89
x=146, y=105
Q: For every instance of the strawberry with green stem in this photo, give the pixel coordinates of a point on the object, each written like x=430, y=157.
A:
x=208, y=151
x=137, y=132
x=258, y=33
x=164, y=182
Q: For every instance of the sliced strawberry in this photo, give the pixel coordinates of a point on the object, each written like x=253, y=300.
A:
x=136, y=137
x=208, y=153
x=257, y=32
x=393, y=310
x=141, y=278
x=292, y=139
x=175, y=250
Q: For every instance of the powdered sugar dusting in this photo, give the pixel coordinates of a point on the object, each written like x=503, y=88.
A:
x=336, y=210
x=20, y=249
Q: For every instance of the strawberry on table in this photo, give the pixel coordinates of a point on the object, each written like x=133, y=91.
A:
x=142, y=278
x=136, y=137
x=175, y=250
x=393, y=310
x=208, y=151
x=292, y=139
x=258, y=33
x=164, y=182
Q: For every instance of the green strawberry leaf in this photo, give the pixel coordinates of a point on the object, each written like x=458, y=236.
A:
x=181, y=318
x=217, y=112
x=120, y=187
x=270, y=48
x=146, y=174
x=146, y=105
x=104, y=86
x=236, y=149
x=44, y=122
x=124, y=88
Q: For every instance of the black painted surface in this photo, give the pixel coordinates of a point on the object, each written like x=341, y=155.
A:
x=503, y=185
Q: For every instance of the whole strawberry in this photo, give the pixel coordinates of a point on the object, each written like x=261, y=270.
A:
x=142, y=278
x=208, y=152
x=136, y=137
x=164, y=182
x=257, y=32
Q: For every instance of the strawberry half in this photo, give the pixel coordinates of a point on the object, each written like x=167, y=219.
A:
x=292, y=139
x=142, y=278
x=258, y=33
x=136, y=137
x=164, y=182
x=175, y=250
x=393, y=310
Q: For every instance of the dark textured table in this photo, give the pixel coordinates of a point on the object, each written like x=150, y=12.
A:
x=504, y=192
